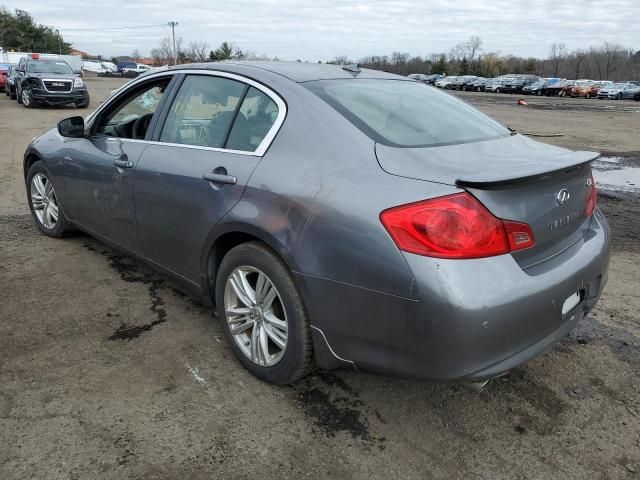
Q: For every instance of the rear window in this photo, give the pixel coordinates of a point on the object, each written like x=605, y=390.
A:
x=406, y=114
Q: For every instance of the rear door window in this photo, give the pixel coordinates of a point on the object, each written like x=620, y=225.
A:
x=255, y=118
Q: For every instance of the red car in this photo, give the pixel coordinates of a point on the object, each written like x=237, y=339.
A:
x=4, y=72
x=586, y=89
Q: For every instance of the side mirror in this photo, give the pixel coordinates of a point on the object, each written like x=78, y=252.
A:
x=72, y=127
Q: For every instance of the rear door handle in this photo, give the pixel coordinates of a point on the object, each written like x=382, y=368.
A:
x=219, y=178
x=122, y=162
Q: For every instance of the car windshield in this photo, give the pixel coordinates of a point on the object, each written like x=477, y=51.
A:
x=4, y=66
x=406, y=114
x=47, y=66
x=618, y=85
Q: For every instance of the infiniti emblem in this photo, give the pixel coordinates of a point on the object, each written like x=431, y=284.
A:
x=563, y=196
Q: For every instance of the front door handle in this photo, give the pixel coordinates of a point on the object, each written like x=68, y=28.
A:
x=219, y=178
x=122, y=162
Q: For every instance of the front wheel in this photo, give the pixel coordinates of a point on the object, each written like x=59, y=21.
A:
x=587, y=96
x=263, y=315
x=43, y=202
x=27, y=98
x=619, y=96
x=84, y=103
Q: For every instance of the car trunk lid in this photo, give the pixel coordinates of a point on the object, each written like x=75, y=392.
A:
x=515, y=178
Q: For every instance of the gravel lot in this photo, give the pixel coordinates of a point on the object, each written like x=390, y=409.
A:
x=77, y=400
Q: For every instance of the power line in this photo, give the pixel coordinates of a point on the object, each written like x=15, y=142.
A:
x=109, y=28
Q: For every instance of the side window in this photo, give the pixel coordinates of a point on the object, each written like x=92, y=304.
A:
x=203, y=111
x=131, y=118
x=255, y=118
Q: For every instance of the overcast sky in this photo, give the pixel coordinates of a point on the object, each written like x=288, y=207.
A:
x=321, y=30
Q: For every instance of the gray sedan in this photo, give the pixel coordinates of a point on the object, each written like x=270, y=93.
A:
x=335, y=216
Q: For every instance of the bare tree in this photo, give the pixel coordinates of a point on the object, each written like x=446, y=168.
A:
x=611, y=52
x=341, y=60
x=473, y=47
x=557, y=55
x=198, y=51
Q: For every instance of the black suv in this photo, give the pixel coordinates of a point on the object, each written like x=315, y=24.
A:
x=51, y=81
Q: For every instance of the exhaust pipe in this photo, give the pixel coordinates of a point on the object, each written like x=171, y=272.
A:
x=477, y=386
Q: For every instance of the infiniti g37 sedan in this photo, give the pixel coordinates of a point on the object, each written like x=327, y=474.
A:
x=335, y=216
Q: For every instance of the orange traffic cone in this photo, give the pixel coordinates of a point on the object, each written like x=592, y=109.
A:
x=522, y=102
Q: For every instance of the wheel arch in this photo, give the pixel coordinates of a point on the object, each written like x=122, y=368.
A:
x=30, y=157
x=230, y=235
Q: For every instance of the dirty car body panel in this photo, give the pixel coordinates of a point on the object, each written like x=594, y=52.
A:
x=315, y=192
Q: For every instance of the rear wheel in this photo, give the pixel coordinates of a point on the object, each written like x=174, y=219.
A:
x=263, y=315
x=588, y=95
x=619, y=96
x=43, y=202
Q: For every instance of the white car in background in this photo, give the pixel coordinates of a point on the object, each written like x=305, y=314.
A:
x=444, y=82
x=139, y=69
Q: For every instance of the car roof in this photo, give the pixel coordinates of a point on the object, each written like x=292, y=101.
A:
x=296, y=71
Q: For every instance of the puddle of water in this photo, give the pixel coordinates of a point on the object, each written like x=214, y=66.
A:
x=612, y=174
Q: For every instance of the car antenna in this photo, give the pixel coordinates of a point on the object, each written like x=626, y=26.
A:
x=352, y=68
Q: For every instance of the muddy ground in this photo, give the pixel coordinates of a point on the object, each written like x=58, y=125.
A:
x=107, y=370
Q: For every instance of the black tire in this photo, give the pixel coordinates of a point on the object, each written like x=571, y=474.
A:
x=85, y=103
x=297, y=359
x=62, y=225
x=30, y=102
x=619, y=96
x=12, y=94
x=497, y=90
x=588, y=95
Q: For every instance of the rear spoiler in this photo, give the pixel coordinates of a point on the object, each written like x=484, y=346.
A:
x=528, y=171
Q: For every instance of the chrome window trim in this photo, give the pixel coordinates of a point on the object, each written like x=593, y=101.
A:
x=57, y=80
x=258, y=152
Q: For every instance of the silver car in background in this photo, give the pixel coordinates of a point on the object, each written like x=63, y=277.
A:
x=618, y=91
x=335, y=216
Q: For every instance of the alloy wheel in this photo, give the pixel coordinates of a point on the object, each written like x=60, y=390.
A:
x=44, y=201
x=25, y=97
x=255, y=315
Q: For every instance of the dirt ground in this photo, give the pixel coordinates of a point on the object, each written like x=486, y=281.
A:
x=79, y=400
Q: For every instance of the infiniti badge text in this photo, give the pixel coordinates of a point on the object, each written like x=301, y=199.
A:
x=566, y=220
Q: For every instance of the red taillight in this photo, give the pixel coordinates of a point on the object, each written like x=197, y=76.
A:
x=590, y=204
x=35, y=56
x=454, y=226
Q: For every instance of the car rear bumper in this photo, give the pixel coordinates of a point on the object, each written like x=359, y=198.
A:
x=474, y=319
x=55, y=98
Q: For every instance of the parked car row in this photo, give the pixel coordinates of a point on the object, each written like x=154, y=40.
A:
x=534, y=85
x=35, y=80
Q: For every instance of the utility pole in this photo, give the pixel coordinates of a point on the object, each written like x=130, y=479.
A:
x=59, y=43
x=173, y=34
